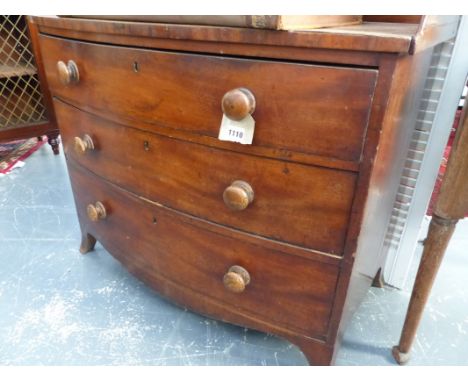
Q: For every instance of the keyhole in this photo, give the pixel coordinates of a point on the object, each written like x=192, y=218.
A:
x=154, y=220
x=146, y=145
x=136, y=67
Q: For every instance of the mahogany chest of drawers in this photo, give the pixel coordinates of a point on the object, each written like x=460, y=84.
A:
x=282, y=235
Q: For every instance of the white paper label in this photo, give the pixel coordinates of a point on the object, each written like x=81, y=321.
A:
x=237, y=131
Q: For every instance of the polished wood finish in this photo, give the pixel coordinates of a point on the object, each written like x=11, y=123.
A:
x=287, y=156
x=238, y=195
x=236, y=279
x=253, y=49
x=406, y=19
x=387, y=36
x=158, y=243
x=165, y=92
x=276, y=22
x=310, y=205
x=68, y=73
x=451, y=206
x=238, y=103
x=332, y=115
x=364, y=37
x=27, y=131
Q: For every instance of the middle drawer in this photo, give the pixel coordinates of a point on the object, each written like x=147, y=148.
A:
x=302, y=205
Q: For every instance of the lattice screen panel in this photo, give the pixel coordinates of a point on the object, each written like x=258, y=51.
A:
x=20, y=95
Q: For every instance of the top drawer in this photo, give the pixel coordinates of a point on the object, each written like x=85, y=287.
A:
x=318, y=110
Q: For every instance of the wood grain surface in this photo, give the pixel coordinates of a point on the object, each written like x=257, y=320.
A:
x=303, y=205
x=333, y=111
x=375, y=37
x=306, y=108
x=157, y=243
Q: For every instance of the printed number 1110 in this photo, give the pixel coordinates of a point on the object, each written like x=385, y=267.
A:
x=236, y=133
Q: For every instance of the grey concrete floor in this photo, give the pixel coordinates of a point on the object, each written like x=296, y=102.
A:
x=58, y=307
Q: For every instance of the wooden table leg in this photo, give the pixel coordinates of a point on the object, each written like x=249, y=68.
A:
x=452, y=205
x=440, y=232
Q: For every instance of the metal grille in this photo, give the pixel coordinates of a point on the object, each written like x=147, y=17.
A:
x=399, y=227
x=20, y=95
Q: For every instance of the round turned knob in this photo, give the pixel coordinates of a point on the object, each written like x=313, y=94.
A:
x=83, y=144
x=238, y=103
x=68, y=73
x=238, y=195
x=236, y=279
x=96, y=212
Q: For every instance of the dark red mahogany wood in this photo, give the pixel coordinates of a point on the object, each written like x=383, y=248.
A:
x=333, y=109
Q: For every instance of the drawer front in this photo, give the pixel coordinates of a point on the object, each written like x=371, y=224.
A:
x=303, y=205
x=156, y=244
x=320, y=110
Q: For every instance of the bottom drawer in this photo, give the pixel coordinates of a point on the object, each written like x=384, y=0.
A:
x=187, y=259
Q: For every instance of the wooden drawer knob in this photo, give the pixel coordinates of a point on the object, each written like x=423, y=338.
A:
x=83, y=144
x=96, y=211
x=238, y=195
x=236, y=279
x=238, y=103
x=68, y=73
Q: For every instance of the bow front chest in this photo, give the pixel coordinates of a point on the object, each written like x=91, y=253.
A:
x=282, y=235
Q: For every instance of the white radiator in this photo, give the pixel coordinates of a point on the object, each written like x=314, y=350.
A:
x=441, y=97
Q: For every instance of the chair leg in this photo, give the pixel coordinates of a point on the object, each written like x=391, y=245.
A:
x=440, y=232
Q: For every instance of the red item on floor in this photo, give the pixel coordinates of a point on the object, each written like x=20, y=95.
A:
x=18, y=150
